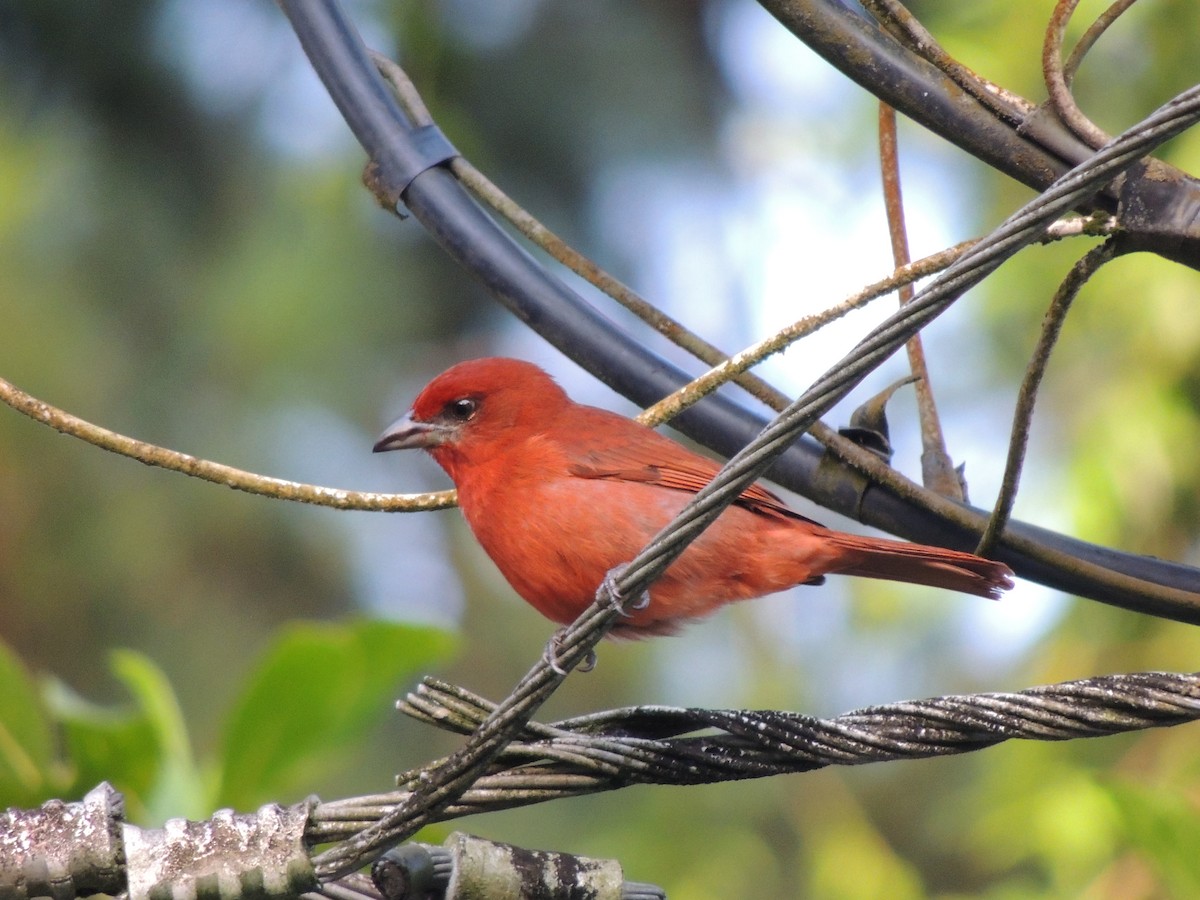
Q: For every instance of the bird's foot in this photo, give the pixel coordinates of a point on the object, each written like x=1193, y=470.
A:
x=623, y=604
x=554, y=650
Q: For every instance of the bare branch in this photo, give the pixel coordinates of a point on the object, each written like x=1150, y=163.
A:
x=1079, y=275
x=1058, y=77
x=937, y=468
x=217, y=473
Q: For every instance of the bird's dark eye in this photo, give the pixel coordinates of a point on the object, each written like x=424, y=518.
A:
x=463, y=409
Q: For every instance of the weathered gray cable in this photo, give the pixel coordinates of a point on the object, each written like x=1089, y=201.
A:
x=442, y=787
x=660, y=745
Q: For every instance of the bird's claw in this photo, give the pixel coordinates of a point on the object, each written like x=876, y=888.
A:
x=608, y=587
x=551, y=653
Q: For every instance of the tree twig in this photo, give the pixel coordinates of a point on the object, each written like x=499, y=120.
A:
x=937, y=468
x=1056, y=315
x=1058, y=77
x=217, y=473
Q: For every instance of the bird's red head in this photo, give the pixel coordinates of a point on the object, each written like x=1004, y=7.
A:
x=474, y=409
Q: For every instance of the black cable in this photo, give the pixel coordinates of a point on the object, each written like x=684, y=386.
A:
x=858, y=48
x=565, y=320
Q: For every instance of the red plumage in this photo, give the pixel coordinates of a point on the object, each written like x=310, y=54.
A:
x=558, y=494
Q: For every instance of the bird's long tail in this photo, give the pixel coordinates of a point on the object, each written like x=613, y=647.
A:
x=870, y=557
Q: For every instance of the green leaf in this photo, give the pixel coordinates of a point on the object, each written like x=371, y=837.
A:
x=142, y=747
x=26, y=736
x=117, y=744
x=1165, y=828
x=319, y=689
x=178, y=789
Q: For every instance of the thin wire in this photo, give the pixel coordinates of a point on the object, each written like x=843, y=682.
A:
x=1093, y=33
x=525, y=288
x=1042, y=558
x=441, y=784
x=1058, y=77
x=937, y=467
x=1014, y=233
x=445, y=784
x=1052, y=325
x=899, y=22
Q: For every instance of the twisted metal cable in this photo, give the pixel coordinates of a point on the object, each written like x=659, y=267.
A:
x=1019, y=230
x=442, y=786
x=566, y=321
x=352, y=887
x=660, y=744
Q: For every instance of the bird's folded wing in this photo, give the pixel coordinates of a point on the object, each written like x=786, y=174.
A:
x=660, y=461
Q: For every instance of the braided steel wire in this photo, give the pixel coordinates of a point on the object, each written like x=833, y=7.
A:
x=441, y=788
x=684, y=746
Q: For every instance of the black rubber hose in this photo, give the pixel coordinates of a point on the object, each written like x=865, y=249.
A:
x=565, y=320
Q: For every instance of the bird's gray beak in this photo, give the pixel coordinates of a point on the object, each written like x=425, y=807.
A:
x=408, y=434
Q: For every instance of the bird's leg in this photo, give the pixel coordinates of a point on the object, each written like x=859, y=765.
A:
x=609, y=590
x=623, y=605
x=553, y=650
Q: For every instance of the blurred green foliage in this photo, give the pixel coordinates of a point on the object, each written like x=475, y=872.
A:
x=186, y=255
x=300, y=713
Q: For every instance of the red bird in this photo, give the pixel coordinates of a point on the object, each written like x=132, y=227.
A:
x=559, y=494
